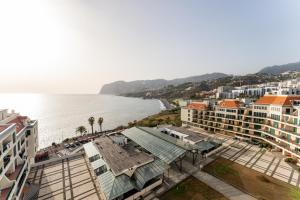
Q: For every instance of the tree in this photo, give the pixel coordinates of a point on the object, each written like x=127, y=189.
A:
x=91, y=122
x=81, y=130
x=100, y=122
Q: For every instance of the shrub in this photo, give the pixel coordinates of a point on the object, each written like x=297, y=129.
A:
x=291, y=160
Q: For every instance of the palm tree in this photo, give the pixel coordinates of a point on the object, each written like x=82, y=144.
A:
x=100, y=121
x=81, y=130
x=91, y=122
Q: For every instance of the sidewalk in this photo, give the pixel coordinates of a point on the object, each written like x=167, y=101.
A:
x=227, y=190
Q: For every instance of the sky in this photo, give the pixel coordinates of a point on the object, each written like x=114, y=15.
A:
x=76, y=46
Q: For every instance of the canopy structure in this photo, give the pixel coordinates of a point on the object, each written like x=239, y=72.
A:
x=148, y=172
x=160, y=148
x=199, y=147
x=115, y=186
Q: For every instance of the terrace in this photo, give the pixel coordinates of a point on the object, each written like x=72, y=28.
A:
x=69, y=178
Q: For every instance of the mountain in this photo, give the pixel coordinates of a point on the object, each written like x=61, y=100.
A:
x=123, y=87
x=278, y=69
x=206, y=88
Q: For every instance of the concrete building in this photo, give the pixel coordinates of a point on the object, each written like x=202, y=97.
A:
x=18, y=146
x=274, y=119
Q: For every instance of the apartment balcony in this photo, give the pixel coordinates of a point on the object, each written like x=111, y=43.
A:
x=6, y=193
x=21, y=181
x=1, y=170
x=16, y=174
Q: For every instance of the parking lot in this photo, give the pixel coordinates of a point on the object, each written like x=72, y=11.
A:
x=261, y=160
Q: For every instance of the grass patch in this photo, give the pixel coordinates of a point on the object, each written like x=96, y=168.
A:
x=192, y=189
x=224, y=169
x=171, y=117
x=261, y=186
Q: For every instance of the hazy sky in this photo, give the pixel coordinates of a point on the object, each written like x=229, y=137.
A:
x=75, y=46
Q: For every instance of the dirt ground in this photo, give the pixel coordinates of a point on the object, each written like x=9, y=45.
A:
x=192, y=189
x=261, y=186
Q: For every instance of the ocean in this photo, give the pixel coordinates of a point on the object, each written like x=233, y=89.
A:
x=59, y=115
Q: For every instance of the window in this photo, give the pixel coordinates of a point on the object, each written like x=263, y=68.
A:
x=100, y=170
x=95, y=157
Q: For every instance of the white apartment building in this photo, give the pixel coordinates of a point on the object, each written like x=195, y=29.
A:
x=18, y=146
x=274, y=119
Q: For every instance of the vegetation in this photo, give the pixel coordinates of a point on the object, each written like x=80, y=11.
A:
x=192, y=189
x=171, y=117
x=265, y=145
x=100, y=122
x=259, y=185
x=81, y=130
x=291, y=160
x=91, y=121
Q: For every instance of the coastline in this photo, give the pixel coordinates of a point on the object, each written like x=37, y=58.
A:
x=164, y=106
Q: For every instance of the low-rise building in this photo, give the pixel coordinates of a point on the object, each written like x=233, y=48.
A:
x=18, y=146
x=123, y=172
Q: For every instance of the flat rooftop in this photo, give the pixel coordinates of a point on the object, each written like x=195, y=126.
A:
x=118, y=158
x=192, y=136
x=69, y=178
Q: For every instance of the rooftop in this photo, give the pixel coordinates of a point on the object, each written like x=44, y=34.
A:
x=162, y=149
x=114, y=186
x=119, y=159
x=197, y=106
x=3, y=127
x=19, y=121
x=70, y=178
x=282, y=100
x=230, y=103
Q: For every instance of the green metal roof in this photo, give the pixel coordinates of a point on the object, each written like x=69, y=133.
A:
x=204, y=145
x=98, y=163
x=148, y=172
x=201, y=146
x=115, y=186
x=166, y=151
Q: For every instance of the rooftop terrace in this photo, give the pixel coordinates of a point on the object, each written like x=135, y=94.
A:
x=70, y=178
